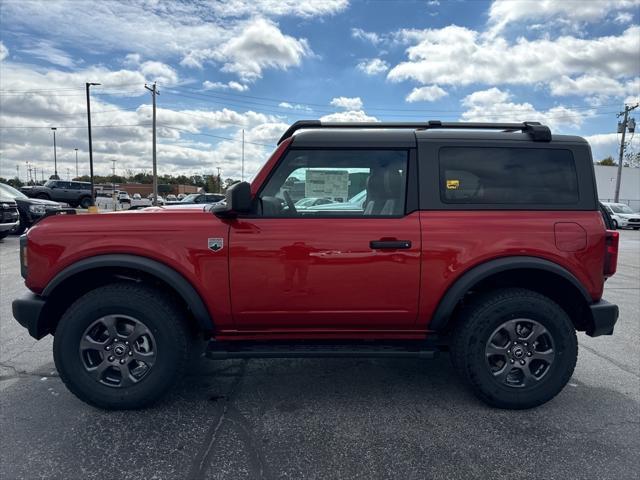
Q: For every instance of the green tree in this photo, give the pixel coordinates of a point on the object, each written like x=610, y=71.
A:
x=607, y=161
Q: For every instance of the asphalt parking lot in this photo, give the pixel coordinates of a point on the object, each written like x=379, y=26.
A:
x=338, y=418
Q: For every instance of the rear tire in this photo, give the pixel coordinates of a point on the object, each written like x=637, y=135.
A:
x=516, y=348
x=85, y=202
x=121, y=346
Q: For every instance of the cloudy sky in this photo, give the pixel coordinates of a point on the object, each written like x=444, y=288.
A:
x=258, y=65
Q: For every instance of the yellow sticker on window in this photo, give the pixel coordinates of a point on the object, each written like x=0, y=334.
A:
x=453, y=184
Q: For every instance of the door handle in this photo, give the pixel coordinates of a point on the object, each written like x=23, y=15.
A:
x=389, y=244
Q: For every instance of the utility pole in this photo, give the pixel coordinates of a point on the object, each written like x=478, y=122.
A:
x=93, y=195
x=76, y=162
x=68, y=174
x=219, y=181
x=242, y=155
x=18, y=172
x=154, y=94
x=55, y=159
x=113, y=184
x=627, y=109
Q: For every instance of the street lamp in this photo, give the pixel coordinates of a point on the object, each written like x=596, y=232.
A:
x=55, y=159
x=76, y=162
x=87, y=85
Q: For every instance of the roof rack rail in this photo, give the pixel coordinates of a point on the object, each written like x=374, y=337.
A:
x=537, y=131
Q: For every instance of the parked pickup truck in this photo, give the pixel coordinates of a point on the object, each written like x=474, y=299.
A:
x=481, y=240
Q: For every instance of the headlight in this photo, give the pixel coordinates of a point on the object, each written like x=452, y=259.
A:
x=4, y=206
x=37, y=209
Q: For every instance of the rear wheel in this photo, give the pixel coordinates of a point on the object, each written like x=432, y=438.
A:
x=85, y=202
x=121, y=346
x=515, y=347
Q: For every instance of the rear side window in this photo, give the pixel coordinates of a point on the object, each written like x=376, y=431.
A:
x=524, y=176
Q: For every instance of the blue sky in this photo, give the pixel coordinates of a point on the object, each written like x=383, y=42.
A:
x=259, y=65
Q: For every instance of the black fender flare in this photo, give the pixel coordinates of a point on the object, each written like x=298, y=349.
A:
x=476, y=274
x=152, y=267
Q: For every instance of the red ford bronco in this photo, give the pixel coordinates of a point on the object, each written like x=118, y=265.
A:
x=483, y=240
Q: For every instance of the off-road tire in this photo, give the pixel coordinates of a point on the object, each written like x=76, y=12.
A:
x=156, y=311
x=478, y=322
x=85, y=202
x=615, y=224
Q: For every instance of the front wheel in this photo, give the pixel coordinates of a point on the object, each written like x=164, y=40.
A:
x=615, y=224
x=121, y=346
x=516, y=348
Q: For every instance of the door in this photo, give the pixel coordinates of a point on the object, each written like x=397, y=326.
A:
x=351, y=263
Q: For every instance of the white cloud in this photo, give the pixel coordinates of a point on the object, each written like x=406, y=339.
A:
x=294, y=8
x=623, y=18
x=505, y=12
x=371, y=37
x=349, y=116
x=495, y=105
x=239, y=87
x=4, y=51
x=193, y=33
x=456, y=55
x=45, y=50
x=430, y=93
x=348, y=103
x=605, y=144
x=295, y=106
x=373, y=66
x=128, y=138
x=260, y=44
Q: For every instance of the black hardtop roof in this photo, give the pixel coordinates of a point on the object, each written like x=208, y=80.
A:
x=406, y=138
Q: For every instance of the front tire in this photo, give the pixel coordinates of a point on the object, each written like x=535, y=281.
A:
x=516, y=348
x=615, y=224
x=121, y=346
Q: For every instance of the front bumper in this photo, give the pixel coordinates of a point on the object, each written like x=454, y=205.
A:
x=603, y=317
x=28, y=310
x=8, y=226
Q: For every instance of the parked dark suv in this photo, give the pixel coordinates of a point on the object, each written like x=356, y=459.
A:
x=30, y=209
x=484, y=241
x=76, y=194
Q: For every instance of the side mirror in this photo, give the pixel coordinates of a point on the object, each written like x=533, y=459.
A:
x=238, y=200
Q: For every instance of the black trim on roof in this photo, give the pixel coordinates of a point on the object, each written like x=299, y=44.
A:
x=537, y=131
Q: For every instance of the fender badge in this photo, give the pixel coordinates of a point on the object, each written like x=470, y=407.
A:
x=215, y=244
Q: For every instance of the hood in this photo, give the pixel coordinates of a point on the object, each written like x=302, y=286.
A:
x=627, y=215
x=38, y=201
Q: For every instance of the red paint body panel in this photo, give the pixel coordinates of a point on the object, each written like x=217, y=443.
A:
x=177, y=238
x=321, y=273
x=453, y=242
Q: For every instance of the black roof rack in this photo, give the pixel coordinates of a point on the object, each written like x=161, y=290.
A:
x=537, y=131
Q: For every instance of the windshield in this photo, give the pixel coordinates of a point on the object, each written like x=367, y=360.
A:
x=620, y=208
x=190, y=198
x=11, y=192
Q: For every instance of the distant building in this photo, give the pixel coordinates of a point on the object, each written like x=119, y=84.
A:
x=145, y=189
x=629, y=186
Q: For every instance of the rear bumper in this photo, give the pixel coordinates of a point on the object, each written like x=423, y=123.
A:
x=603, y=317
x=27, y=310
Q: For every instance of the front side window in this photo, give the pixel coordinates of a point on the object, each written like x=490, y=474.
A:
x=505, y=176
x=337, y=183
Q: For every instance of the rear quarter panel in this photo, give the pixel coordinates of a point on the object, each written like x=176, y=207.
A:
x=453, y=242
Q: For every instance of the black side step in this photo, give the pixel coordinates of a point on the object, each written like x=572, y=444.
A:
x=320, y=349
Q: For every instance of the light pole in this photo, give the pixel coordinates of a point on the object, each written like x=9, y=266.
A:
x=76, y=162
x=87, y=85
x=55, y=159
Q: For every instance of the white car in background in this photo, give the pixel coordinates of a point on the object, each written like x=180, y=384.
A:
x=622, y=216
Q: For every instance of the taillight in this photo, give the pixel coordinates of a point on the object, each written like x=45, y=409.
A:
x=611, y=253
